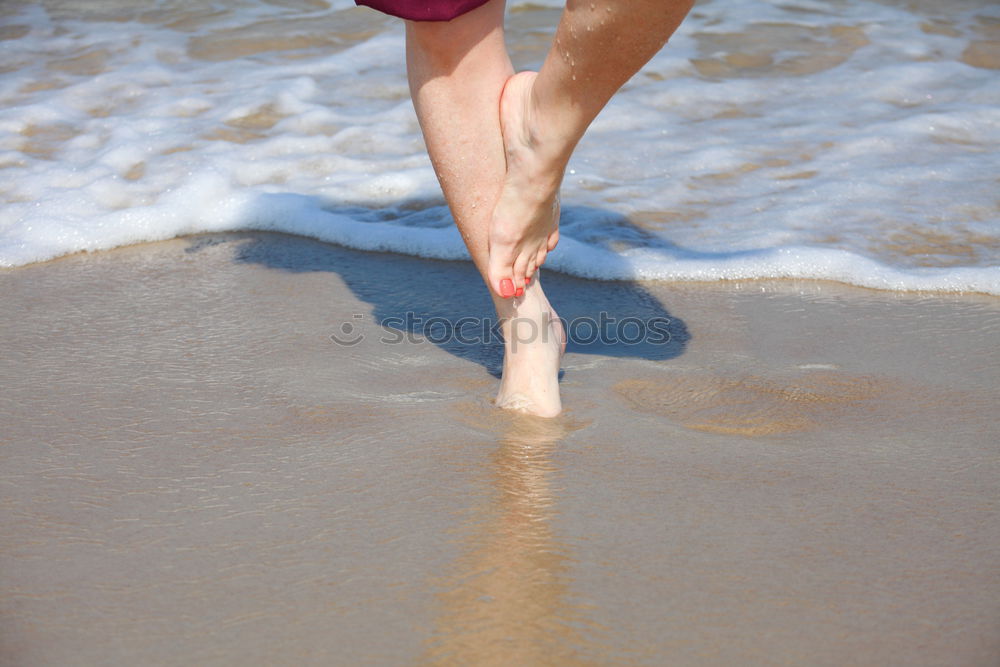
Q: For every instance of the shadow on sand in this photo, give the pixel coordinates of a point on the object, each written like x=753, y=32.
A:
x=446, y=303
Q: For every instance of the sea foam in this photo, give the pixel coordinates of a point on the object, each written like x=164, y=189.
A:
x=853, y=142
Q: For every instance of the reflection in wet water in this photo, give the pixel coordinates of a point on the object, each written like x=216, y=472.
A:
x=506, y=599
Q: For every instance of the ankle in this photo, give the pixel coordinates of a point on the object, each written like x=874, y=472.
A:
x=550, y=148
x=548, y=132
x=538, y=145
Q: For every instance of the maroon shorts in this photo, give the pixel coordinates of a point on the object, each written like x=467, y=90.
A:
x=423, y=10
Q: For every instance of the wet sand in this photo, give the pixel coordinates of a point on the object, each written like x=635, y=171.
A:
x=195, y=472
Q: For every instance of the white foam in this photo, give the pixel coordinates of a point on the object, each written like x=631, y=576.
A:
x=876, y=169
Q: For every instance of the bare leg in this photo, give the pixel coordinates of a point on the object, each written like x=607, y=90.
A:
x=599, y=45
x=500, y=142
x=457, y=71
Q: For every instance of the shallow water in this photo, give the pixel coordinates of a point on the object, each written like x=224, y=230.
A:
x=854, y=141
x=194, y=472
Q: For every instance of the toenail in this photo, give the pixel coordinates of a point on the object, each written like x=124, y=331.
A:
x=519, y=292
x=506, y=288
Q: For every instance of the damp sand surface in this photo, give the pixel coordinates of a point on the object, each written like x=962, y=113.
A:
x=195, y=472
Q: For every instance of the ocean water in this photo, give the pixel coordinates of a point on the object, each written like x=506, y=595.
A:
x=852, y=140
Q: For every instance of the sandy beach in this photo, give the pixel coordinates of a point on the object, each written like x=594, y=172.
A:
x=252, y=445
x=196, y=471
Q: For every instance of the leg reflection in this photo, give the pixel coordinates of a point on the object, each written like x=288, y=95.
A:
x=506, y=601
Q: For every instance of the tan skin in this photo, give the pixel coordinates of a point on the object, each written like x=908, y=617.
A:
x=500, y=142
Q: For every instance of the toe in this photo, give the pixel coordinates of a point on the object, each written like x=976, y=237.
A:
x=529, y=273
x=499, y=271
x=553, y=240
x=541, y=256
x=501, y=281
x=520, y=269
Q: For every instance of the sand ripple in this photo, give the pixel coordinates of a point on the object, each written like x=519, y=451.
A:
x=753, y=405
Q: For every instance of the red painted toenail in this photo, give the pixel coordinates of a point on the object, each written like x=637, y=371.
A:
x=519, y=292
x=527, y=281
x=506, y=288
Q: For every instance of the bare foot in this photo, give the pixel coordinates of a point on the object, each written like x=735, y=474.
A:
x=534, y=342
x=525, y=223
